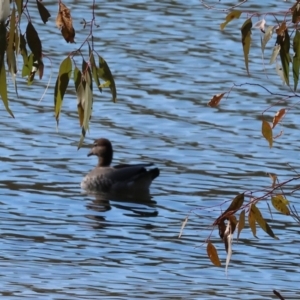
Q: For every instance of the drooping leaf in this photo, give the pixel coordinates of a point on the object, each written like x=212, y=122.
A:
x=241, y=223
x=281, y=29
x=296, y=59
x=285, y=56
x=262, y=222
x=105, y=74
x=34, y=42
x=27, y=66
x=41, y=69
x=10, y=53
x=222, y=228
x=236, y=204
x=3, y=89
x=235, y=14
x=94, y=70
x=77, y=77
x=23, y=49
x=278, y=117
x=295, y=12
x=17, y=41
x=82, y=80
x=182, y=226
x=64, y=23
x=251, y=221
x=275, y=52
x=88, y=103
x=215, y=100
x=3, y=43
x=43, y=11
x=212, y=253
x=246, y=41
x=228, y=238
x=267, y=132
x=280, y=203
x=267, y=36
x=61, y=85
x=80, y=93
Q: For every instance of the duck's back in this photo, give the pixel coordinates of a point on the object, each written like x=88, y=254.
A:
x=120, y=177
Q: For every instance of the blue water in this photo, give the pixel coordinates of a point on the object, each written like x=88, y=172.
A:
x=168, y=59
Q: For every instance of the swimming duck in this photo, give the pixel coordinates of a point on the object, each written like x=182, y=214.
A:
x=123, y=177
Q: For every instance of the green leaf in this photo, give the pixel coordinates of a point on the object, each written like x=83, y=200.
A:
x=3, y=90
x=105, y=74
x=10, y=53
x=80, y=93
x=27, y=65
x=246, y=41
x=275, y=52
x=236, y=204
x=77, y=77
x=296, y=59
x=262, y=222
x=23, y=49
x=285, y=56
x=251, y=221
x=61, y=85
x=94, y=71
x=266, y=38
x=3, y=43
x=88, y=104
x=235, y=14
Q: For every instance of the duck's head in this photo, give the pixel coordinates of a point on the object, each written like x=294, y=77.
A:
x=103, y=149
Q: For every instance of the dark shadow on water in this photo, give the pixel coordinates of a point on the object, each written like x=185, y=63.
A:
x=133, y=205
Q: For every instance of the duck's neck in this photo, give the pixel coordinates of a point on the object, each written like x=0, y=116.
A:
x=104, y=161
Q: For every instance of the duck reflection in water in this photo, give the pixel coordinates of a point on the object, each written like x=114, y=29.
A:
x=133, y=205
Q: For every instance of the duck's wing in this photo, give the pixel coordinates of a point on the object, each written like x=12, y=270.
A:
x=127, y=172
x=136, y=165
x=133, y=176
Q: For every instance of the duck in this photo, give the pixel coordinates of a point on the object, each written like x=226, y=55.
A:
x=122, y=177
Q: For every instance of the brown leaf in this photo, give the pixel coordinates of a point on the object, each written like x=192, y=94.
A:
x=251, y=221
x=34, y=42
x=213, y=254
x=222, y=228
x=215, y=100
x=281, y=29
x=241, y=223
x=267, y=132
x=3, y=43
x=236, y=204
x=64, y=23
x=44, y=13
x=278, y=116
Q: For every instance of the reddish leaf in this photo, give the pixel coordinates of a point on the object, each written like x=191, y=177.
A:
x=215, y=100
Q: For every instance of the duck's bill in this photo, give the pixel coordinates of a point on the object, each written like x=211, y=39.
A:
x=90, y=153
